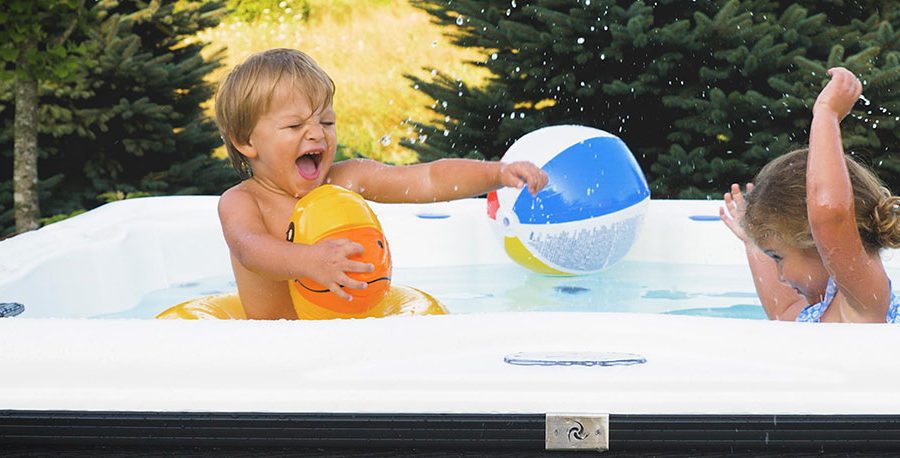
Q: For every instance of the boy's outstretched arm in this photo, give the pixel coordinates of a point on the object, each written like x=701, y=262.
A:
x=830, y=205
x=779, y=300
x=442, y=180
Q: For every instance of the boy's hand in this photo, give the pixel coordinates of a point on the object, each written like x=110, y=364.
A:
x=732, y=214
x=518, y=174
x=840, y=94
x=330, y=264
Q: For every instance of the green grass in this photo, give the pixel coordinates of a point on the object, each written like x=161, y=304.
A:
x=366, y=46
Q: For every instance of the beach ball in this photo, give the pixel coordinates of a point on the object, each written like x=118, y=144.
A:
x=332, y=212
x=589, y=214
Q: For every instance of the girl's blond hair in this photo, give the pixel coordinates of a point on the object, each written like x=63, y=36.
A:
x=246, y=94
x=776, y=207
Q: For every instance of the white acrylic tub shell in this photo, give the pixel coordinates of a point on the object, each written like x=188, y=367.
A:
x=105, y=260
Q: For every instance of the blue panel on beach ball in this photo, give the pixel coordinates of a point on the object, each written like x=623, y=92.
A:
x=595, y=177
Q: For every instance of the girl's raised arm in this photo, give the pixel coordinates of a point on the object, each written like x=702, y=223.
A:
x=830, y=206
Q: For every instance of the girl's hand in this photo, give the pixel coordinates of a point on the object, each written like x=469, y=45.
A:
x=518, y=174
x=732, y=214
x=329, y=264
x=840, y=94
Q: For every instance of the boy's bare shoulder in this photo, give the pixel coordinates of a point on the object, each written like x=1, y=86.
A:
x=349, y=166
x=237, y=197
x=348, y=173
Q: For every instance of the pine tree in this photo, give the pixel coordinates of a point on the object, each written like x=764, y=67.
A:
x=135, y=125
x=703, y=92
x=36, y=47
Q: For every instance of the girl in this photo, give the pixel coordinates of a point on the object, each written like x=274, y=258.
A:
x=815, y=220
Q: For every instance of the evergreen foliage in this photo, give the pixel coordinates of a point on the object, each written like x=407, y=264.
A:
x=33, y=34
x=704, y=92
x=36, y=46
x=135, y=124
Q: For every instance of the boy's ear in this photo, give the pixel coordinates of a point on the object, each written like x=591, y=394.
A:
x=246, y=149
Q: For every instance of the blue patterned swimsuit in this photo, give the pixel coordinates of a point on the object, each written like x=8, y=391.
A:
x=813, y=313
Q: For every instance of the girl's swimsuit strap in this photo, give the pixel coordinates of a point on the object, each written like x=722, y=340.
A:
x=813, y=313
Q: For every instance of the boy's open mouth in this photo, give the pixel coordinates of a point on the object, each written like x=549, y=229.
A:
x=308, y=164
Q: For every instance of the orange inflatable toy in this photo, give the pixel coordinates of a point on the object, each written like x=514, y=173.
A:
x=331, y=212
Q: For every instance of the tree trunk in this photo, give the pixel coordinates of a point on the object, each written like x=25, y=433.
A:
x=25, y=167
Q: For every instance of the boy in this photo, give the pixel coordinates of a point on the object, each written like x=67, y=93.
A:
x=275, y=115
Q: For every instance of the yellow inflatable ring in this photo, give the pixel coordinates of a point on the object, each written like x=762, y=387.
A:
x=329, y=212
x=399, y=301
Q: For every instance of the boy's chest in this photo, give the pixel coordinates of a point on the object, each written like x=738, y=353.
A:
x=277, y=216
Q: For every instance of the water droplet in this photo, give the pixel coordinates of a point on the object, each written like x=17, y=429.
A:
x=385, y=140
x=494, y=56
x=580, y=40
x=459, y=20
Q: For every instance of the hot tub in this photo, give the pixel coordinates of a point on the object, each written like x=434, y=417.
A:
x=85, y=364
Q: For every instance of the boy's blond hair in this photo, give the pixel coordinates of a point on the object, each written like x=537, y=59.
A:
x=246, y=94
x=776, y=207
